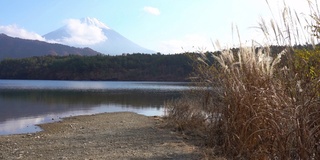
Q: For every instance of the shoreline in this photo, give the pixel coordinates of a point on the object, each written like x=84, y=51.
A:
x=118, y=135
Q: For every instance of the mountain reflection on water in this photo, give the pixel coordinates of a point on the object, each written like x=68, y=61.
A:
x=22, y=107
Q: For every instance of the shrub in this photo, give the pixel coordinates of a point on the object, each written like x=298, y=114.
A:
x=251, y=106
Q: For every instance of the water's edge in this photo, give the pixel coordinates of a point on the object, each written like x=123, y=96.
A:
x=26, y=103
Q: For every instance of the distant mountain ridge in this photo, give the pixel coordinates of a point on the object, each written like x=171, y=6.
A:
x=21, y=48
x=112, y=44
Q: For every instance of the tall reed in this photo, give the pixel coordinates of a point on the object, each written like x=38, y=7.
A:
x=254, y=104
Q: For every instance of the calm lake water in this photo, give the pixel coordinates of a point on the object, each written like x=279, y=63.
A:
x=25, y=103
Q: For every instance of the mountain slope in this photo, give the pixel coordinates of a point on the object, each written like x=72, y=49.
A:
x=21, y=48
x=110, y=42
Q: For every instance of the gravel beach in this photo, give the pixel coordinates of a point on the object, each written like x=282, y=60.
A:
x=123, y=135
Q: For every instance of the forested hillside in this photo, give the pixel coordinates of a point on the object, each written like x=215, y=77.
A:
x=22, y=48
x=133, y=67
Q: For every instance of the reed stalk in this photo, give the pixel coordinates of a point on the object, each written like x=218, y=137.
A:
x=256, y=102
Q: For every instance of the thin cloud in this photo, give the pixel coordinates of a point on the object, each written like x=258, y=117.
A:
x=15, y=31
x=188, y=43
x=152, y=10
x=82, y=33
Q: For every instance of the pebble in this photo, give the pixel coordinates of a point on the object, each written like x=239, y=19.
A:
x=121, y=138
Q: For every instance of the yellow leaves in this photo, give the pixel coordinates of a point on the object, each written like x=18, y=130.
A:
x=309, y=61
x=312, y=72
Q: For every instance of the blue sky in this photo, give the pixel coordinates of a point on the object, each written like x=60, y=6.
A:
x=166, y=26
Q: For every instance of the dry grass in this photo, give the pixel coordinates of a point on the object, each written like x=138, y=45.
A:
x=250, y=107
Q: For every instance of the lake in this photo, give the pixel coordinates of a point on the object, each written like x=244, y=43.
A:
x=25, y=103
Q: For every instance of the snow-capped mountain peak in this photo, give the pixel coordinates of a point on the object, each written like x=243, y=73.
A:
x=95, y=22
x=92, y=33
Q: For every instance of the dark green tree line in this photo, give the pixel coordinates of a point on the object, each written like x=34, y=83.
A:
x=150, y=67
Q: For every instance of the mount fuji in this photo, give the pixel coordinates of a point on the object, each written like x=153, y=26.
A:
x=92, y=33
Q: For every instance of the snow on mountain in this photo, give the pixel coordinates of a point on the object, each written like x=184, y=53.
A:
x=94, y=22
x=92, y=33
